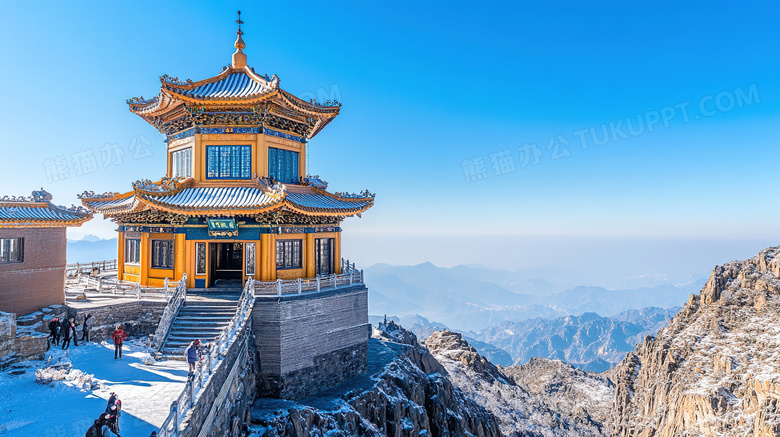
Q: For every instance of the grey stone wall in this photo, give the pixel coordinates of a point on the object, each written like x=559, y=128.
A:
x=310, y=342
x=26, y=337
x=139, y=318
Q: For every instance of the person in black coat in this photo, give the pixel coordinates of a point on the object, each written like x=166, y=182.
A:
x=54, y=329
x=74, y=332
x=114, y=408
x=65, y=331
x=95, y=429
x=88, y=322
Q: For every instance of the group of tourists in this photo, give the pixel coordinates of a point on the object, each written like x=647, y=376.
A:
x=65, y=330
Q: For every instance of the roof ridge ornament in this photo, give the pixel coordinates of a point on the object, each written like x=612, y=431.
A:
x=239, y=58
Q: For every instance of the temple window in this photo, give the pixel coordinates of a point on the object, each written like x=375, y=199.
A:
x=181, y=163
x=288, y=254
x=132, y=251
x=283, y=165
x=11, y=250
x=228, y=162
x=162, y=254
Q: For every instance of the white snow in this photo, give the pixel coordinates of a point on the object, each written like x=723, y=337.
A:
x=67, y=407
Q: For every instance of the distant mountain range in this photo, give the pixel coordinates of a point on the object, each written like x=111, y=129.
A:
x=471, y=299
x=91, y=248
x=587, y=341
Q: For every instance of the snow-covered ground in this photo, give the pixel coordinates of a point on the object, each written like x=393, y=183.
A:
x=68, y=407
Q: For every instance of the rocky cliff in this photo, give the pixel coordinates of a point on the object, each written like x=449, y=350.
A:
x=542, y=398
x=406, y=393
x=715, y=370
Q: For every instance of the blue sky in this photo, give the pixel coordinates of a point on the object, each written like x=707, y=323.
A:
x=428, y=89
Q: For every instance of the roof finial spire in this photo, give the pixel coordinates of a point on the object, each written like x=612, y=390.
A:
x=239, y=58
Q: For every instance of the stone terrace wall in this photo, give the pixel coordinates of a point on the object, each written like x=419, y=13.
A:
x=139, y=318
x=310, y=342
x=26, y=337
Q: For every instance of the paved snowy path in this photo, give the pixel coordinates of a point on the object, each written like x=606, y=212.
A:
x=63, y=410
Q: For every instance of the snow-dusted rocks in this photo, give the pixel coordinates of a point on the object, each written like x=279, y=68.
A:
x=520, y=412
x=715, y=370
x=406, y=393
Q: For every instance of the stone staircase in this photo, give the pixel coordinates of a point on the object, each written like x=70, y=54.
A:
x=204, y=315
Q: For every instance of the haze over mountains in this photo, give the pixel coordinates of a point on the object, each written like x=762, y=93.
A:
x=91, y=248
x=468, y=298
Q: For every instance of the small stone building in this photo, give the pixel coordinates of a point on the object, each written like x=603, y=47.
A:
x=32, y=251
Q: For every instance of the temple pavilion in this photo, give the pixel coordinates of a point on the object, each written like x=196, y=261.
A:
x=236, y=201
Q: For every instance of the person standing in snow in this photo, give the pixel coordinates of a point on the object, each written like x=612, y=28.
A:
x=54, y=328
x=193, y=354
x=65, y=331
x=114, y=411
x=119, y=337
x=74, y=332
x=88, y=322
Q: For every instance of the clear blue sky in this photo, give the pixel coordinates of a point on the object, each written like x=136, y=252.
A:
x=427, y=87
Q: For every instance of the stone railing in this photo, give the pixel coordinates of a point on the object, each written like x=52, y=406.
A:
x=214, y=369
x=166, y=321
x=347, y=267
x=86, y=268
x=282, y=287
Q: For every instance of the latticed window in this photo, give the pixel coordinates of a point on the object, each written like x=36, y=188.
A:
x=11, y=250
x=200, y=258
x=162, y=254
x=288, y=254
x=181, y=163
x=228, y=162
x=283, y=165
x=132, y=251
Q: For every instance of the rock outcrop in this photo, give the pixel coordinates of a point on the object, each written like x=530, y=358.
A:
x=715, y=370
x=543, y=398
x=407, y=393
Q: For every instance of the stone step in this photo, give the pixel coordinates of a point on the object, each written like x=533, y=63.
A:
x=205, y=317
x=208, y=308
x=214, y=305
x=187, y=323
x=206, y=313
x=184, y=340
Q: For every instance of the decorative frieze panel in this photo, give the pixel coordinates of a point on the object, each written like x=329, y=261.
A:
x=249, y=254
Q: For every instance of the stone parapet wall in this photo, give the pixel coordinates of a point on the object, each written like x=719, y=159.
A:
x=312, y=341
x=228, y=393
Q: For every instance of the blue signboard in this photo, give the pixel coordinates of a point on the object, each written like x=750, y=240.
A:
x=222, y=227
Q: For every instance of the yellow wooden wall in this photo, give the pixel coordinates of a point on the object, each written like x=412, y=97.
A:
x=259, y=142
x=184, y=258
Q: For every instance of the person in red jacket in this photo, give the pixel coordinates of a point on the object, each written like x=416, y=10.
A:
x=119, y=337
